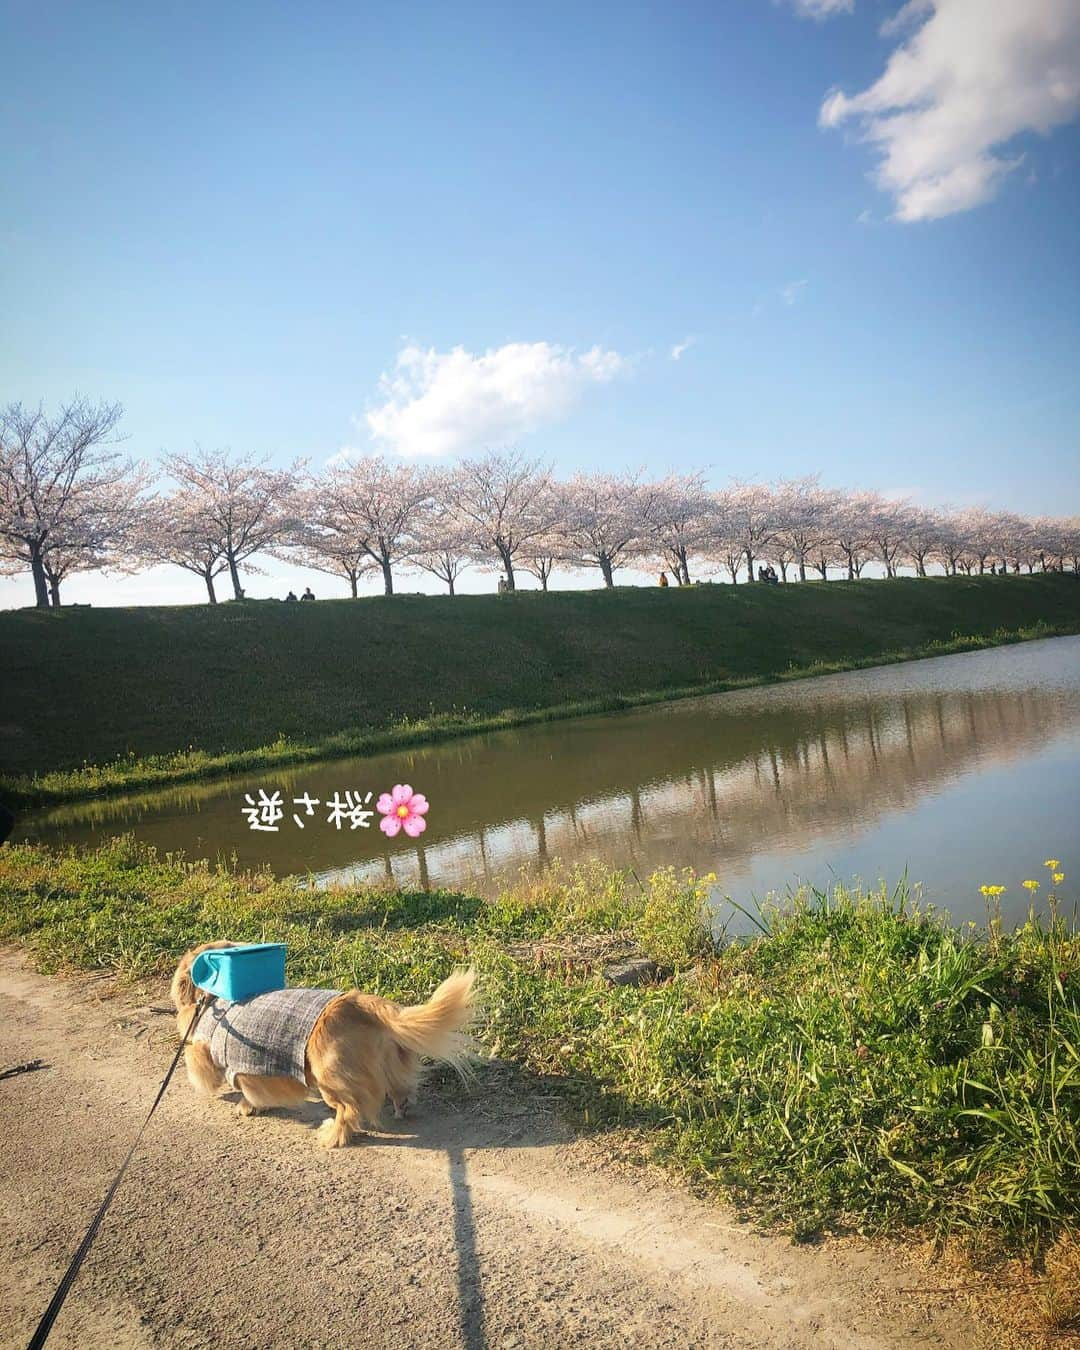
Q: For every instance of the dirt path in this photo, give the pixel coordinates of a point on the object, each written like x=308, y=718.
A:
x=483, y=1222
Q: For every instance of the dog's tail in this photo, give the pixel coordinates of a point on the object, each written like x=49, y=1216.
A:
x=434, y=1028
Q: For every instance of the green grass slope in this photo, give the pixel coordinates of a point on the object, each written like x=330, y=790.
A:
x=86, y=686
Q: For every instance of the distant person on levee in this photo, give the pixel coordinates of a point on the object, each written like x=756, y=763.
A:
x=663, y=578
x=291, y=595
x=309, y=594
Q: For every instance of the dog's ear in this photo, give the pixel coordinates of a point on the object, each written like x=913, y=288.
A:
x=182, y=988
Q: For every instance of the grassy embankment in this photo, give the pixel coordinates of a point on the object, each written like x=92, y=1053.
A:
x=106, y=700
x=859, y=1063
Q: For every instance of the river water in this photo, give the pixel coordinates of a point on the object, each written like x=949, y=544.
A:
x=958, y=771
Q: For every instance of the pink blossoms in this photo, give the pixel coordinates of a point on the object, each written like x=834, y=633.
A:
x=402, y=809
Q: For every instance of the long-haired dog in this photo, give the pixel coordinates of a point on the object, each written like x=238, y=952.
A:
x=361, y=1050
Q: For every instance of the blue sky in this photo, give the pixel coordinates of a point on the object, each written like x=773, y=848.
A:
x=233, y=219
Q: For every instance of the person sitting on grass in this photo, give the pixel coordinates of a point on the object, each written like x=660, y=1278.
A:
x=309, y=594
x=663, y=579
x=291, y=595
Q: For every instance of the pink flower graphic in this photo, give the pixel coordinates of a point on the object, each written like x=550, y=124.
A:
x=402, y=809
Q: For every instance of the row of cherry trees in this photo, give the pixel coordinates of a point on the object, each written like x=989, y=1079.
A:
x=71, y=502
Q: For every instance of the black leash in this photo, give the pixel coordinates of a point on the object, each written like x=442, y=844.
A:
x=63, y=1289
x=31, y=1066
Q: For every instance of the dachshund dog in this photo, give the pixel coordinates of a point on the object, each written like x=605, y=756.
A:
x=351, y=1049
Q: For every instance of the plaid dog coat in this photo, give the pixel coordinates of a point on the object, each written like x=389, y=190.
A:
x=265, y=1036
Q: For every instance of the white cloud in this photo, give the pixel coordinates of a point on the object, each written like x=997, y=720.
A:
x=864, y=218
x=822, y=9
x=906, y=16
x=680, y=348
x=441, y=403
x=791, y=292
x=972, y=76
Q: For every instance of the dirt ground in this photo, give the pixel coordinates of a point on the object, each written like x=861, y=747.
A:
x=483, y=1221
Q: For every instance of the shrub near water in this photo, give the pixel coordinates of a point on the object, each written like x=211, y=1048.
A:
x=858, y=1061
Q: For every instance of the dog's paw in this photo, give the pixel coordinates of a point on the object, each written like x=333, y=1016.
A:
x=245, y=1109
x=404, y=1106
x=332, y=1135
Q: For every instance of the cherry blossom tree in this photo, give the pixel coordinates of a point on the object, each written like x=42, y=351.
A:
x=1044, y=537
x=174, y=530
x=381, y=502
x=850, y=528
x=603, y=525
x=828, y=551
x=442, y=537
x=978, y=527
x=1052, y=541
x=805, y=523
x=98, y=533
x=924, y=537
x=548, y=550
x=953, y=540
x=508, y=503
x=538, y=563
x=780, y=552
x=887, y=527
x=1016, y=542
x=324, y=539
x=749, y=510
x=723, y=544
x=245, y=506
x=677, y=512
x=1069, y=544
x=58, y=486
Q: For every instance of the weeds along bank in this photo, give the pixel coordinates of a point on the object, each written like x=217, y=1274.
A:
x=103, y=700
x=860, y=1062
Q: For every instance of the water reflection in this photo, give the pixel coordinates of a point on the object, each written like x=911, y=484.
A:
x=865, y=773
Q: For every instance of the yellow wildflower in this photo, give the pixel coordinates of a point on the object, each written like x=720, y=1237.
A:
x=1059, y=877
x=1052, y=863
x=992, y=890
x=1030, y=885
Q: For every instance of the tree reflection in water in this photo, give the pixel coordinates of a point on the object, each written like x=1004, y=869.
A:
x=740, y=784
